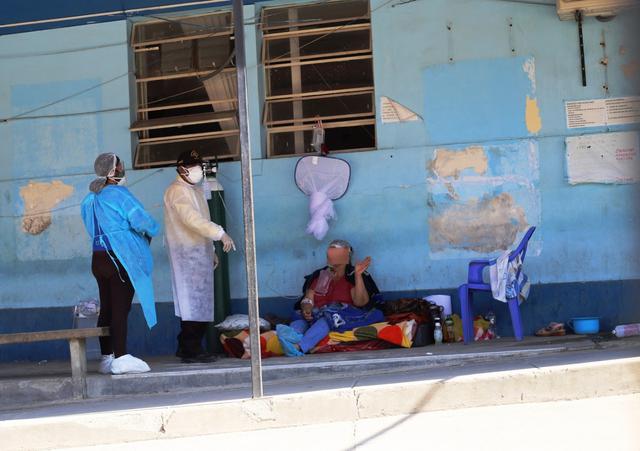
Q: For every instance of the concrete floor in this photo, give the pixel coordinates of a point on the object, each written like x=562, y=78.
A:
x=24, y=385
x=45, y=369
x=365, y=409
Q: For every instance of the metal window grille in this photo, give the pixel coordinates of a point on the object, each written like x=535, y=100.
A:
x=318, y=65
x=186, y=89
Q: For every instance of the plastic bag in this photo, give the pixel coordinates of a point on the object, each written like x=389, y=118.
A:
x=240, y=322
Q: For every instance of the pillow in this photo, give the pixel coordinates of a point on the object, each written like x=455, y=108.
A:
x=240, y=322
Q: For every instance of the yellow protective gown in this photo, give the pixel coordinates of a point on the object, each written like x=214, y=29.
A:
x=189, y=236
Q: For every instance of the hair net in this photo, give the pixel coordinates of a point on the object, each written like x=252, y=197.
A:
x=104, y=166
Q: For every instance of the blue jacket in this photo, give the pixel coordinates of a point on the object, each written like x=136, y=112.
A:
x=125, y=223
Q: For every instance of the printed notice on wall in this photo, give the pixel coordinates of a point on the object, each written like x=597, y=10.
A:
x=392, y=111
x=602, y=112
x=604, y=158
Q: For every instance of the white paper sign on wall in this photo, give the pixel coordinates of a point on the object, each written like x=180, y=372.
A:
x=604, y=158
x=392, y=111
x=602, y=112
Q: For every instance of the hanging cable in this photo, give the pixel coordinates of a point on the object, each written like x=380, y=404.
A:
x=55, y=102
x=205, y=77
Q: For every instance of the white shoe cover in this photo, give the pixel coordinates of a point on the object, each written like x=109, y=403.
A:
x=105, y=364
x=128, y=364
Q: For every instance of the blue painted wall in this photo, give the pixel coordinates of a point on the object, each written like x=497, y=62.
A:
x=587, y=233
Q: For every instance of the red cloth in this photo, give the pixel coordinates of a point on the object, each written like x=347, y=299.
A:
x=339, y=291
x=367, y=345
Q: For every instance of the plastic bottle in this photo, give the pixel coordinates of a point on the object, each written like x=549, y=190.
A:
x=448, y=323
x=437, y=333
x=626, y=330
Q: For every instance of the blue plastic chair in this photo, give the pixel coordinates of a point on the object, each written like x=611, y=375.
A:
x=476, y=283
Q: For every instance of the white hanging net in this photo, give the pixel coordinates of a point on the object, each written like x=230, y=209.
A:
x=323, y=179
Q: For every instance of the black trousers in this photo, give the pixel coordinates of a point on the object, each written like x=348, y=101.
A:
x=116, y=295
x=190, y=337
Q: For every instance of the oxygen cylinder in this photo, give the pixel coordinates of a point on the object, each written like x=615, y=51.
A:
x=222, y=298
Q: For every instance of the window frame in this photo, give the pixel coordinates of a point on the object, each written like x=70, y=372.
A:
x=300, y=122
x=188, y=112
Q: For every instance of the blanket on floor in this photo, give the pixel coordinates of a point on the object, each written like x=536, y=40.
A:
x=374, y=336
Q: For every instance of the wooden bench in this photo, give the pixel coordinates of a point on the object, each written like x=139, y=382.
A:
x=77, y=348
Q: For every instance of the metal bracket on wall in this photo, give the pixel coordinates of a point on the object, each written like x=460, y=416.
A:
x=512, y=44
x=450, y=41
x=581, y=42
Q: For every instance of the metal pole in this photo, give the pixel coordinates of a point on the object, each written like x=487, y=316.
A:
x=247, y=202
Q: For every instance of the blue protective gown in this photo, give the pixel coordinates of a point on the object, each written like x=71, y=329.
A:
x=124, y=220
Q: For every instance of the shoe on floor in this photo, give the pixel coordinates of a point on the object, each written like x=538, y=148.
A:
x=105, y=364
x=128, y=364
x=199, y=358
x=552, y=330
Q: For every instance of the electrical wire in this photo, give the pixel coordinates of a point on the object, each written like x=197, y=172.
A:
x=68, y=207
x=55, y=102
x=286, y=53
x=60, y=52
x=77, y=113
x=204, y=78
x=242, y=251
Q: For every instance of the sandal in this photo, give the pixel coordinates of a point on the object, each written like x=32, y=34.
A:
x=552, y=330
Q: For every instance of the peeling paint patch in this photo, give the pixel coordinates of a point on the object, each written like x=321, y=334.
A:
x=450, y=163
x=487, y=225
x=474, y=215
x=529, y=68
x=631, y=69
x=532, y=116
x=39, y=199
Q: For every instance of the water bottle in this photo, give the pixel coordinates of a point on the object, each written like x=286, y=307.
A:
x=437, y=333
x=626, y=330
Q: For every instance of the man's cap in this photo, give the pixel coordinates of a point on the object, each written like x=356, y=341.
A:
x=189, y=158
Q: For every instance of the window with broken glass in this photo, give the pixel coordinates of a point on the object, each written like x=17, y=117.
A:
x=186, y=89
x=318, y=65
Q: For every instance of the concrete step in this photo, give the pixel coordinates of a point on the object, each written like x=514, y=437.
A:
x=578, y=374
x=51, y=383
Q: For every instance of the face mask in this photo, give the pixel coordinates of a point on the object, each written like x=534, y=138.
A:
x=118, y=177
x=195, y=175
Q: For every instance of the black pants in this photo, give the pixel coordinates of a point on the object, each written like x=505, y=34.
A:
x=116, y=294
x=190, y=338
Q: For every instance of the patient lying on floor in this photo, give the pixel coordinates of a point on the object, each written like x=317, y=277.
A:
x=336, y=298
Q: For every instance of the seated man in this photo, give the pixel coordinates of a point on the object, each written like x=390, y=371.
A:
x=334, y=298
